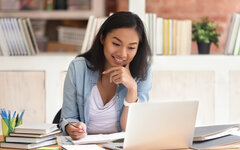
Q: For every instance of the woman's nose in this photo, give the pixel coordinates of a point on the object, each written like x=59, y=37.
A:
x=123, y=52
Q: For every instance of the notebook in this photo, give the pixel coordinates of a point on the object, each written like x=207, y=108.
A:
x=35, y=128
x=159, y=125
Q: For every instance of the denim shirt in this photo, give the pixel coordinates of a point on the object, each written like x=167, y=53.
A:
x=78, y=85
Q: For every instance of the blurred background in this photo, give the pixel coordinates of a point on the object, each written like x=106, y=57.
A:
x=49, y=27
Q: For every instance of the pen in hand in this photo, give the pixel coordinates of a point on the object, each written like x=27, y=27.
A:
x=73, y=124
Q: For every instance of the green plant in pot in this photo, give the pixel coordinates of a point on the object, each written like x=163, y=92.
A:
x=204, y=32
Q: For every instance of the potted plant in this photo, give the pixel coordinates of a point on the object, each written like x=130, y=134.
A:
x=204, y=32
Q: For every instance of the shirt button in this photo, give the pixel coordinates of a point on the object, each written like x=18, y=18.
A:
x=117, y=96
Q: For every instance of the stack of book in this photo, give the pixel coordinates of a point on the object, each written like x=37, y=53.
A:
x=215, y=136
x=28, y=136
x=17, y=37
x=168, y=36
x=165, y=36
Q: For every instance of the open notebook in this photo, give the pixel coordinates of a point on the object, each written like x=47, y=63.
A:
x=99, y=138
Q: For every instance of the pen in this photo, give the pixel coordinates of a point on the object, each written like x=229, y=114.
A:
x=9, y=114
x=14, y=115
x=16, y=122
x=72, y=124
x=22, y=114
x=12, y=119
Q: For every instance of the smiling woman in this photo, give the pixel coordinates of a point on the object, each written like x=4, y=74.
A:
x=103, y=82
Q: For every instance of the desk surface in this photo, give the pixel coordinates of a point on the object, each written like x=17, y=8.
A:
x=1, y=139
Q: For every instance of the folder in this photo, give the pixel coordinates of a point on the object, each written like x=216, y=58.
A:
x=215, y=131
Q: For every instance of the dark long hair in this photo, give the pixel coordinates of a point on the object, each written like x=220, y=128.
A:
x=139, y=65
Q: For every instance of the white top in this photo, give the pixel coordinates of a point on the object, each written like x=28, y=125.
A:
x=102, y=118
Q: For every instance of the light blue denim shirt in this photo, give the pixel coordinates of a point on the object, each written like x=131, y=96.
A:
x=78, y=85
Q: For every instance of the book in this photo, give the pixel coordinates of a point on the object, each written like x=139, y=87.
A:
x=27, y=145
x=34, y=135
x=99, y=138
x=232, y=34
x=15, y=139
x=49, y=148
x=92, y=34
x=36, y=128
x=23, y=23
x=32, y=35
x=237, y=42
x=18, y=37
x=87, y=34
x=23, y=36
x=7, y=36
x=3, y=42
x=218, y=143
x=82, y=147
x=213, y=132
x=159, y=36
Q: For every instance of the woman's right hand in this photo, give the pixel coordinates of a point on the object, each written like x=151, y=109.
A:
x=76, y=133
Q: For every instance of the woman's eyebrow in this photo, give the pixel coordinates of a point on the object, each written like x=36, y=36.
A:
x=133, y=43
x=117, y=39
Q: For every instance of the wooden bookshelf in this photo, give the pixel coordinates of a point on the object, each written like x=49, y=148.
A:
x=46, y=21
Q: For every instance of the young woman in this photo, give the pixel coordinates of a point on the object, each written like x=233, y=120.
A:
x=102, y=83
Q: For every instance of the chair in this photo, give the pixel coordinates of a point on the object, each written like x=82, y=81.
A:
x=57, y=117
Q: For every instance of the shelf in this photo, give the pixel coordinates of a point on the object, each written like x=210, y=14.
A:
x=188, y=62
x=97, y=9
x=53, y=15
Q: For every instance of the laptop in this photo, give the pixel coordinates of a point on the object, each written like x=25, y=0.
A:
x=159, y=125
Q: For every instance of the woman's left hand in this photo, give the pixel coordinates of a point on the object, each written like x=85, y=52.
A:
x=122, y=75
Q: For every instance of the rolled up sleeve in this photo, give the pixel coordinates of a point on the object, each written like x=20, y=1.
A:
x=70, y=107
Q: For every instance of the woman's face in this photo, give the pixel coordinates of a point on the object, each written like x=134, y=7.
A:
x=120, y=46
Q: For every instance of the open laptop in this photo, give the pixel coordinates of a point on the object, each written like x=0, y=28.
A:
x=160, y=125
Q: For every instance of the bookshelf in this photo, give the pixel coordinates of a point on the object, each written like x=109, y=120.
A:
x=47, y=22
x=213, y=80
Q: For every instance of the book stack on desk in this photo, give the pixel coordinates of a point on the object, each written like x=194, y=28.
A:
x=28, y=136
x=215, y=137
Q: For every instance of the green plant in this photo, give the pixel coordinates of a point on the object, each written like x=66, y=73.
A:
x=205, y=31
